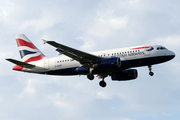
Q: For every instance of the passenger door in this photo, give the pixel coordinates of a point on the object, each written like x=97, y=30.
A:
x=46, y=63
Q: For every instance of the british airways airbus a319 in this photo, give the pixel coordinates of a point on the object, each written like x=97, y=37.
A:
x=117, y=63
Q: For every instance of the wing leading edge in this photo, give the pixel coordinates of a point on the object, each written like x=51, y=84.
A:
x=82, y=57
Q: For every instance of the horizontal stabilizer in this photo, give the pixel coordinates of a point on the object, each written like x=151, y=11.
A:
x=26, y=65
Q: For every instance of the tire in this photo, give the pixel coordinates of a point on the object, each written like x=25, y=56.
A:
x=90, y=76
x=102, y=83
x=151, y=73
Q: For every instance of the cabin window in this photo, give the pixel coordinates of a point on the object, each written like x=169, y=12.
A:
x=62, y=60
x=57, y=61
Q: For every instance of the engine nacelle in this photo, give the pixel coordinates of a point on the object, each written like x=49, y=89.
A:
x=108, y=63
x=125, y=75
x=81, y=70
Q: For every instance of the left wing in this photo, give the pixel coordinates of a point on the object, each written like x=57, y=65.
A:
x=82, y=57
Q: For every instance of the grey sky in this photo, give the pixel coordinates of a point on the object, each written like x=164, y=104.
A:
x=90, y=26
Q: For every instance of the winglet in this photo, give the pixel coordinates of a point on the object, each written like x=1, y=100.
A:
x=45, y=41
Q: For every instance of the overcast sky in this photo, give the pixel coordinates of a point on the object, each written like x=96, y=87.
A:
x=90, y=25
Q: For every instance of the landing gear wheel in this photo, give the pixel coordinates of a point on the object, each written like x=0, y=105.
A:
x=151, y=73
x=90, y=76
x=102, y=83
x=150, y=70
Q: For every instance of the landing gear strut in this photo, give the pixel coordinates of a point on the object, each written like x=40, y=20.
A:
x=150, y=72
x=102, y=83
x=90, y=76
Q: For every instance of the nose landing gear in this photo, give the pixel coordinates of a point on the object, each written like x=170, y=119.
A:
x=150, y=70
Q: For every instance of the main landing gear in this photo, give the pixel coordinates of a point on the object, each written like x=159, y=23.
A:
x=150, y=72
x=90, y=76
x=102, y=83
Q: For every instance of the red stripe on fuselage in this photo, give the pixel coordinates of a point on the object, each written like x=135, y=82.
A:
x=21, y=42
x=36, y=58
x=141, y=48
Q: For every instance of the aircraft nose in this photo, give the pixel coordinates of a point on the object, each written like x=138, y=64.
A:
x=172, y=54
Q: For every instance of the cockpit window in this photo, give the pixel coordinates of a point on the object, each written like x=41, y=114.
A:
x=161, y=48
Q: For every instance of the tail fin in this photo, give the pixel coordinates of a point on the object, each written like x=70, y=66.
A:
x=28, y=51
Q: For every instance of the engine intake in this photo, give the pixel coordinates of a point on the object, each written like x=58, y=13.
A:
x=113, y=62
x=125, y=75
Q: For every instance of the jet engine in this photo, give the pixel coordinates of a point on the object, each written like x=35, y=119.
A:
x=125, y=75
x=108, y=63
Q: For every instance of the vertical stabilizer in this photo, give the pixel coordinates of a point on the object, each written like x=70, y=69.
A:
x=28, y=51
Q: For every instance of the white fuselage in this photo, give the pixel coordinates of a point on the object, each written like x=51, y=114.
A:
x=135, y=55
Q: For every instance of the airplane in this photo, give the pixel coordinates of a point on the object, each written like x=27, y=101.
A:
x=117, y=63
